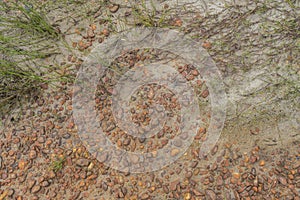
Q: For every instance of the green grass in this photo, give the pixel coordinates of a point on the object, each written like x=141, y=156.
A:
x=149, y=16
x=57, y=164
x=26, y=40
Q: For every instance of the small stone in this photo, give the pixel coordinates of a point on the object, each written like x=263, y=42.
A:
x=189, y=174
x=173, y=185
x=282, y=180
x=114, y=8
x=205, y=93
x=104, y=186
x=142, y=139
x=253, y=159
x=35, y=189
x=51, y=174
x=66, y=136
x=197, y=192
x=187, y=196
x=236, y=175
x=126, y=142
x=195, y=72
x=41, y=139
x=211, y=194
x=151, y=94
x=145, y=196
x=194, y=164
x=32, y=154
x=100, y=40
x=166, y=189
x=177, y=143
x=90, y=33
x=262, y=163
x=0, y=162
x=82, y=162
x=91, y=165
x=103, y=157
x=178, y=22
x=31, y=183
x=174, y=152
x=45, y=184
x=219, y=181
x=206, y=45
x=22, y=164
x=296, y=165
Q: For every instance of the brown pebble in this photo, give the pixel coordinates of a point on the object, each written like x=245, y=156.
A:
x=262, y=163
x=166, y=189
x=189, y=174
x=206, y=45
x=211, y=194
x=114, y=8
x=282, y=180
x=126, y=141
x=45, y=184
x=197, y=192
x=205, y=93
x=100, y=40
x=144, y=196
x=36, y=189
x=174, y=152
x=173, y=185
x=22, y=164
x=82, y=162
x=32, y=154
x=236, y=175
x=187, y=196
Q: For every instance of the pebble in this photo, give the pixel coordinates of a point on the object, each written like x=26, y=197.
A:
x=197, y=192
x=145, y=196
x=104, y=186
x=91, y=165
x=82, y=162
x=32, y=154
x=174, y=152
x=166, y=189
x=0, y=162
x=206, y=45
x=262, y=163
x=236, y=175
x=41, y=139
x=126, y=142
x=211, y=194
x=189, y=174
x=114, y=8
x=205, y=93
x=31, y=183
x=194, y=164
x=282, y=180
x=35, y=189
x=296, y=165
x=45, y=184
x=51, y=174
x=187, y=196
x=173, y=185
x=22, y=164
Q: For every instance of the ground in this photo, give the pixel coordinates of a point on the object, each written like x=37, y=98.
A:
x=255, y=46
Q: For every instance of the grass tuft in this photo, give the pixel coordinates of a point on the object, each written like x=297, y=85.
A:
x=26, y=40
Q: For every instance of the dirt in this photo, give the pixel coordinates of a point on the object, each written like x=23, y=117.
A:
x=255, y=47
